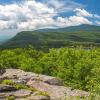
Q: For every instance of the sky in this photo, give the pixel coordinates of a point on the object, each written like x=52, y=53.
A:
x=35, y=14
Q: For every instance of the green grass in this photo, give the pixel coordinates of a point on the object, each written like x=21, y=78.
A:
x=10, y=98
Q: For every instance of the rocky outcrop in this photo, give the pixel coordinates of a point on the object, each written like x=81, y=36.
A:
x=30, y=86
x=24, y=77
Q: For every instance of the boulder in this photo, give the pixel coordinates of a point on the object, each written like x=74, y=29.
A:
x=49, y=79
x=26, y=76
x=54, y=81
x=12, y=73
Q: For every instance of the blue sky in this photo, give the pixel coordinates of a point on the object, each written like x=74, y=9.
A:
x=91, y=5
x=34, y=14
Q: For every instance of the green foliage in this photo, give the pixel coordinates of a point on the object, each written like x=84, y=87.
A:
x=10, y=98
x=8, y=82
x=20, y=86
x=77, y=67
x=17, y=86
x=42, y=93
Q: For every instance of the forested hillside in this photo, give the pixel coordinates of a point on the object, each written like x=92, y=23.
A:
x=85, y=35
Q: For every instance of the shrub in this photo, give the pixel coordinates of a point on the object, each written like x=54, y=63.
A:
x=8, y=82
x=10, y=98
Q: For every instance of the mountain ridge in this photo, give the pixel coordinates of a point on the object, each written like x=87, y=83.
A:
x=52, y=38
x=83, y=27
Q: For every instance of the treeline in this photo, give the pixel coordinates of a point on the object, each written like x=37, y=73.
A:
x=77, y=67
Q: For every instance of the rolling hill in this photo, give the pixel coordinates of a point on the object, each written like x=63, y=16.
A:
x=55, y=38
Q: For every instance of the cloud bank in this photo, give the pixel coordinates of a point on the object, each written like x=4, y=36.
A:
x=32, y=14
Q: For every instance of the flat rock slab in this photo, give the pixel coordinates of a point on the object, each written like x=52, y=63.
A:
x=6, y=88
x=17, y=94
x=49, y=80
x=38, y=97
x=4, y=95
x=22, y=93
x=57, y=92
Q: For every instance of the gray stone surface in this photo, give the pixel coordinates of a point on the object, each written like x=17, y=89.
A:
x=53, y=87
x=38, y=97
x=6, y=88
x=57, y=92
x=26, y=76
x=4, y=95
x=22, y=93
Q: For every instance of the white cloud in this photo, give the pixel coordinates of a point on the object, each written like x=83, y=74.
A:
x=32, y=15
x=72, y=21
x=97, y=22
x=96, y=16
x=63, y=5
x=28, y=15
x=82, y=13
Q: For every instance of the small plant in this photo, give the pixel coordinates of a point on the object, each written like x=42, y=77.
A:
x=8, y=82
x=21, y=86
x=42, y=93
x=10, y=98
x=32, y=89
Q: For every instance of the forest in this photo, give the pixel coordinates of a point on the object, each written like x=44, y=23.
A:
x=77, y=67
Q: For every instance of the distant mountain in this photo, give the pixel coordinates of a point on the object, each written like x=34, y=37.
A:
x=84, y=27
x=48, y=38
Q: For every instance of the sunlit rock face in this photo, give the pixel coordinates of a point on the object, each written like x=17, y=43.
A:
x=20, y=85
